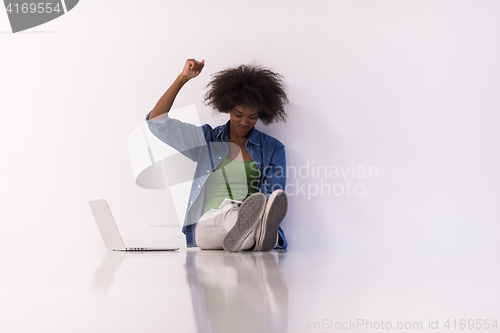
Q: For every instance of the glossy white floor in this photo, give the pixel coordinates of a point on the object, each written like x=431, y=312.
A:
x=89, y=289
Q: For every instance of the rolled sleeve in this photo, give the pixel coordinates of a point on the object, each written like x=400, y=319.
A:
x=158, y=118
x=184, y=137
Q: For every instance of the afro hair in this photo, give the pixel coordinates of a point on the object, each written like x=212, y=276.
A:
x=251, y=85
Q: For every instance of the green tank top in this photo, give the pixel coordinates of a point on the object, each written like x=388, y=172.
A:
x=242, y=181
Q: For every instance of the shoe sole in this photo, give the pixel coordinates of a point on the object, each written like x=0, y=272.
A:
x=276, y=209
x=249, y=214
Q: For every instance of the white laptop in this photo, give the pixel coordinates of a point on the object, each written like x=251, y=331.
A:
x=109, y=231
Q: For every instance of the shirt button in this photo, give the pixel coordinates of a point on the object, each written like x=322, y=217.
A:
x=219, y=157
x=251, y=152
x=208, y=171
x=191, y=202
x=198, y=186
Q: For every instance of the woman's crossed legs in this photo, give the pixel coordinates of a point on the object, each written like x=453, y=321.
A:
x=236, y=226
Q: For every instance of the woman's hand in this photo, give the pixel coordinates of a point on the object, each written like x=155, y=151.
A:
x=192, y=68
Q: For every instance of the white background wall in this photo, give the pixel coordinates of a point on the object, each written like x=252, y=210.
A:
x=409, y=87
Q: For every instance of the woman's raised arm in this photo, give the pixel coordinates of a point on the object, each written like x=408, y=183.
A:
x=191, y=69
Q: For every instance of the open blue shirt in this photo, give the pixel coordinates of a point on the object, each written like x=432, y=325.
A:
x=208, y=147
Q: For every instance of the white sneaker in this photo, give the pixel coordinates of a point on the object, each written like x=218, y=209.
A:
x=275, y=212
x=249, y=215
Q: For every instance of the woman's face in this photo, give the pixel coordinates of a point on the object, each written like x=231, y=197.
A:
x=243, y=119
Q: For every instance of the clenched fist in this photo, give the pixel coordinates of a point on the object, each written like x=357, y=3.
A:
x=192, y=68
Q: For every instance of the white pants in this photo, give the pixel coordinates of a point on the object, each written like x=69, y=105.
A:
x=214, y=225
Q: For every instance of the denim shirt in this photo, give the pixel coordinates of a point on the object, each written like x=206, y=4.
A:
x=208, y=147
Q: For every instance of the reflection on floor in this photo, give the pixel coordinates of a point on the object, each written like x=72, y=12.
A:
x=230, y=292
x=189, y=290
x=243, y=290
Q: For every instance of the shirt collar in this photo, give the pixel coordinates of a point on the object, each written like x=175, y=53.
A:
x=253, y=138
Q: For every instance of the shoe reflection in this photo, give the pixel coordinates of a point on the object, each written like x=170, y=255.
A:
x=237, y=292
